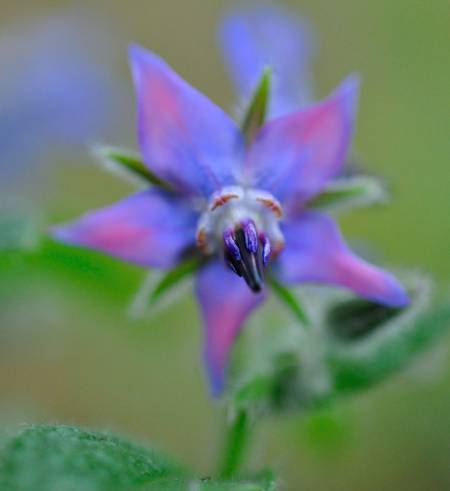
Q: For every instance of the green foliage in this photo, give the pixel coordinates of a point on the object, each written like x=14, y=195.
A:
x=65, y=458
x=88, y=270
x=350, y=193
x=350, y=345
x=255, y=116
x=128, y=165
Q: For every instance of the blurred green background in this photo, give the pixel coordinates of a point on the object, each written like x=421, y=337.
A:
x=71, y=352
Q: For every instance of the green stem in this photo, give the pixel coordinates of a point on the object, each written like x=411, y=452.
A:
x=235, y=444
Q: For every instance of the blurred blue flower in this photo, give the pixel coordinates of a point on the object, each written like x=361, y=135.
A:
x=253, y=38
x=56, y=89
x=244, y=204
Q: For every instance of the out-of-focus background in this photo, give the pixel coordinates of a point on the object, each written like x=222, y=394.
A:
x=69, y=349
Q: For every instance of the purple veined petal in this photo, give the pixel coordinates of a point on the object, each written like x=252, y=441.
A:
x=252, y=38
x=296, y=155
x=149, y=228
x=225, y=303
x=184, y=138
x=315, y=252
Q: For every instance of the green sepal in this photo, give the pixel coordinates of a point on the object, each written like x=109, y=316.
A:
x=255, y=115
x=349, y=193
x=128, y=165
x=368, y=342
x=158, y=284
x=288, y=298
x=173, y=278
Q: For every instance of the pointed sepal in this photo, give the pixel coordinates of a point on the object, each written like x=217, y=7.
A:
x=128, y=165
x=288, y=298
x=256, y=113
x=370, y=342
x=349, y=193
x=161, y=288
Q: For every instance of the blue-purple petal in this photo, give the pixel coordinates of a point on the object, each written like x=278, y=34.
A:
x=296, y=155
x=225, y=302
x=185, y=139
x=150, y=229
x=316, y=252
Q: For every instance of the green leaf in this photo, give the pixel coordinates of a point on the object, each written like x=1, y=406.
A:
x=255, y=116
x=18, y=233
x=370, y=342
x=289, y=299
x=350, y=193
x=128, y=165
x=66, y=458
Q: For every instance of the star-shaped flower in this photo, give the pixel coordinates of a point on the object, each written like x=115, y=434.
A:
x=241, y=203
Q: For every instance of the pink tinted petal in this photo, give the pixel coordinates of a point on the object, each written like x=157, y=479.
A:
x=225, y=302
x=150, y=229
x=184, y=138
x=296, y=155
x=316, y=252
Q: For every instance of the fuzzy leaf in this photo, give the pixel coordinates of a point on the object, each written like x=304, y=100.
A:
x=255, y=116
x=65, y=458
x=128, y=165
x=350, y=193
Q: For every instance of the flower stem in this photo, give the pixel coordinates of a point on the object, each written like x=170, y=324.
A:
x=235, y=444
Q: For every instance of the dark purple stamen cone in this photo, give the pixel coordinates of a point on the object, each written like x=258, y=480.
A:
x=241, y=259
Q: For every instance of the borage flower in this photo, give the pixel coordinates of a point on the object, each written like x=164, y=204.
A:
x=239, y=199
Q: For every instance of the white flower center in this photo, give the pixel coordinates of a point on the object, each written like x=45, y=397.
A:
x=233, y=206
